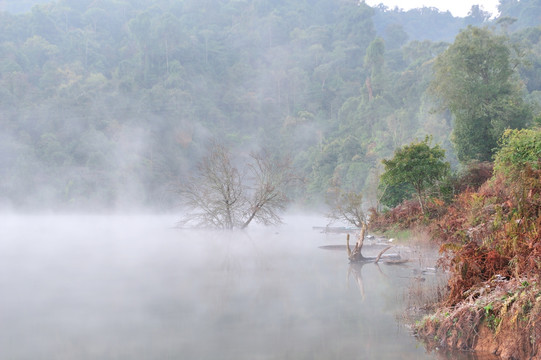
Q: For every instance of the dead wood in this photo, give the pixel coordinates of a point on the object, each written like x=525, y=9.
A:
x=356, y=255
x=395, y=262
x=381, y=253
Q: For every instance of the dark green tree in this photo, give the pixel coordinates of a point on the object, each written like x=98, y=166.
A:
x=476, y=81
x=417, y=164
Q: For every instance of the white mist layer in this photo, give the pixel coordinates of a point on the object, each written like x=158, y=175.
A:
x=110, y=287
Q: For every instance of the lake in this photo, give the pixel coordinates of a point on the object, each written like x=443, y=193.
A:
x=134, y=287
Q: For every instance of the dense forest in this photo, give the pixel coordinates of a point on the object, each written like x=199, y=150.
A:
x=111, y=103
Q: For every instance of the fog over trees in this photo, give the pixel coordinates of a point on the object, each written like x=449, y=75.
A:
x=222, y=196
x=474, y=77
x=111, y=104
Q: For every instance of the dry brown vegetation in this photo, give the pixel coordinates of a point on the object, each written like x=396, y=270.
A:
x=499, y=316
x=491, y=238
x=494, y=231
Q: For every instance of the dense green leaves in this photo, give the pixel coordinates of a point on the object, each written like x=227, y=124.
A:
x=519, y=149
x=418, y=165
x=112, y=100
x=474, y=78
x=154, y=80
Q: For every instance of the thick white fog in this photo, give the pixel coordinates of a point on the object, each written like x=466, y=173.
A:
x=135, y=287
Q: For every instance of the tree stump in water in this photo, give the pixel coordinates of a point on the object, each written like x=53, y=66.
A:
x=356, y=255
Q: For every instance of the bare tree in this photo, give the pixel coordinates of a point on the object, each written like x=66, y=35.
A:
x=356, y=255
x=268, y=197
x=222, y=197
x=215, y=195
x=348, y=207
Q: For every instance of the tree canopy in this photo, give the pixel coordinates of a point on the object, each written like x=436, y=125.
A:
x=417, y=164
x=476, y=80
x=104, y=104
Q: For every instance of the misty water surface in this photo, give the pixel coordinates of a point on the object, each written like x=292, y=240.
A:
x=132, y=287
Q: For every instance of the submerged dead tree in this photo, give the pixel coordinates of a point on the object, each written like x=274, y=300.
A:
x=267, y=196
x=348, y=207
x=356, y=255
x=215, y=195
x=221, y=196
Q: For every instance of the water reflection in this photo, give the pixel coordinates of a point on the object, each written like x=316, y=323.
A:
x=355, y=271
x=131, y=287
x=425, y=285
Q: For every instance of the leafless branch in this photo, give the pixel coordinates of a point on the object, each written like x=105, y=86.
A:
x=220, y=197
x=348, y=207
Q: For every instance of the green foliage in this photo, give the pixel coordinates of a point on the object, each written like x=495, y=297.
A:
x=524, y=13
x=392, y=195
x=418, y=165
x=475, y=79
x=518, y=149
x=426, y=23
x=156, y=79
x=115, y=99
x=492, y=319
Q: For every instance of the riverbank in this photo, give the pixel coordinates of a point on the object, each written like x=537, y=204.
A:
x=491, y=241
x=499, y=317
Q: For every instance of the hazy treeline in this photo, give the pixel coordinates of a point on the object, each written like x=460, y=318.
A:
x=107, y=104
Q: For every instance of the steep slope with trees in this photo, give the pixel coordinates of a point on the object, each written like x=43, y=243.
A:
x=493, y=244
x=106, y=104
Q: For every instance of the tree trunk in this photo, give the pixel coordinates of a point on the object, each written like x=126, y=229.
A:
x=251, y=217
x=356, y=254
x=421, y=202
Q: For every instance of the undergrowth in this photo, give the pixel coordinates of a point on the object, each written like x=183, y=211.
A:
x=490, y=236
x=495, y=230
x=510, y=309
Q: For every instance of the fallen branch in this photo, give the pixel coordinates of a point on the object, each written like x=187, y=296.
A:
x=381, y=253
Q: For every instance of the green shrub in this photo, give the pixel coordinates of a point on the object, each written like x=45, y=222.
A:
x=519, y=149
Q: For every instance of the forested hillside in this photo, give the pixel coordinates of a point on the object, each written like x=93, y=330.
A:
x=108, y=104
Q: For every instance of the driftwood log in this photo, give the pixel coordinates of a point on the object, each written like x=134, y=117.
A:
x=356, y=255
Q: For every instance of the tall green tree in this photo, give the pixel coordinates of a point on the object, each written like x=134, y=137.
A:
x=417, y=164
x=374, y=61
x=476, y=81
